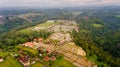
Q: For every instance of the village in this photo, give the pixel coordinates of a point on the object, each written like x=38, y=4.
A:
x=57, y=44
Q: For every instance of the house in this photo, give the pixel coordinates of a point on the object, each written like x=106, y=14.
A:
x=48, y=50
x=53, y=58
x=29, y=44
x=55, y=53
x=1, y=59
x=24, y=61
x=40, y=40
x=46, y=58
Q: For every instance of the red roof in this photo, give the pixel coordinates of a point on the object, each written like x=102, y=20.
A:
x=46, y=58
x=48, y=49
x=30, y=44
x=22, y=59
x=40, y=39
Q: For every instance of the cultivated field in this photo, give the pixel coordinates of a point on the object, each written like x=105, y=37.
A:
x=10, y=62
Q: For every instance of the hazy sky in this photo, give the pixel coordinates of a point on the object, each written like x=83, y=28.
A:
x=54, y=3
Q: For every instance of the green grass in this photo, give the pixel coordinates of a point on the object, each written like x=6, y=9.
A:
x=30, y=50
x=46, y=24
x=37, y=64
x=118, y=16
x=27, y=30
x=10, y=62
x=83, y=30
x=4, y=54
x=97, y=25
x=61, y=62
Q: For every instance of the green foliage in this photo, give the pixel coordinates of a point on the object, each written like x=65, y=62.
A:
x=97, y=25
x=4, y=54
x=30, y=51
x=21, y=37
x=10, y=62
x=99, y=43
x=94, y=58
x=37, y=64
x=61, y=62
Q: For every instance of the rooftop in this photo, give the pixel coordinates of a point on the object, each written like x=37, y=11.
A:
x=30, y=44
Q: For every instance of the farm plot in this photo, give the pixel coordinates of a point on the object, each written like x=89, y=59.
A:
x=10, y=62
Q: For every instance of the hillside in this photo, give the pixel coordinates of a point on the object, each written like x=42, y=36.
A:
x=59, y=41
x=82, y=37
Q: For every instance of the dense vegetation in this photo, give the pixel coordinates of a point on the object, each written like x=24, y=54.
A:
x=16, y=23
x=11, y=39
x=101, y=44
